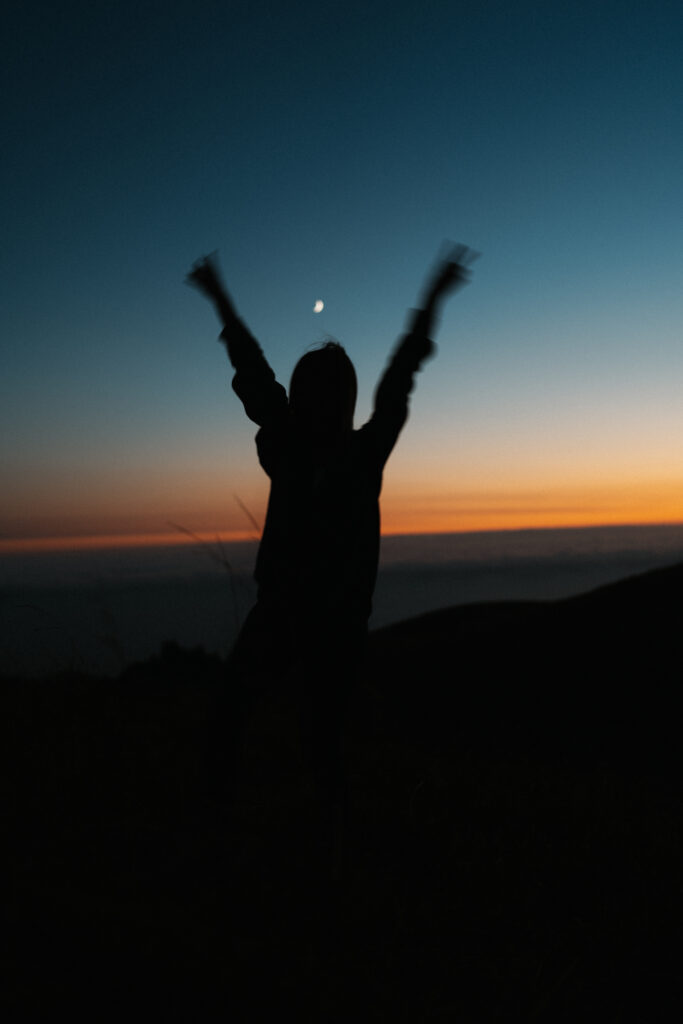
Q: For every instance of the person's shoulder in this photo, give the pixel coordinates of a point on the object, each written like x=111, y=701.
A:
x=366, y=442
x=362, y=436
x=271, y=441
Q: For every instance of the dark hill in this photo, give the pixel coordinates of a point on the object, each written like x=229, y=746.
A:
x=513, y=851
x=589, y=674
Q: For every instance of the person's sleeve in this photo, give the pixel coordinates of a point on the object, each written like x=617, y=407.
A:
x=397, y=381
x=254, y=382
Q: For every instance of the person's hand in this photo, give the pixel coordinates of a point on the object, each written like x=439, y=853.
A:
x=452, y=272
x=205, y=276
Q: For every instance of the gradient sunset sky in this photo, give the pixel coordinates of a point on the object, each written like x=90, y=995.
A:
x=327, y=150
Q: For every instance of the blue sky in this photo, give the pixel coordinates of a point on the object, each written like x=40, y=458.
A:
x=327, y=151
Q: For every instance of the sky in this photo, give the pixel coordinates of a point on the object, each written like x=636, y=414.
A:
x=327, y=151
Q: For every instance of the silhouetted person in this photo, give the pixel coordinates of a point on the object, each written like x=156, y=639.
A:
x=317, y=562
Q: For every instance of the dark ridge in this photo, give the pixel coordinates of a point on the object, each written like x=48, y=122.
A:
x=591, y=675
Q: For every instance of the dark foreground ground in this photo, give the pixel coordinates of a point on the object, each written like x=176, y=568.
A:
x=515, y=848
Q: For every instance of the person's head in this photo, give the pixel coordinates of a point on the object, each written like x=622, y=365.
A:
x=322, y=391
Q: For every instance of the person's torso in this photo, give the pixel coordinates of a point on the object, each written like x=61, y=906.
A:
x=320, y=545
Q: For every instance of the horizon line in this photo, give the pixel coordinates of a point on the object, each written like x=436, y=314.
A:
x=101, y=542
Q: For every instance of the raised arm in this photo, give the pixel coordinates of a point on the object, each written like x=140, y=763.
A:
x=254, y=381
x=391, y=397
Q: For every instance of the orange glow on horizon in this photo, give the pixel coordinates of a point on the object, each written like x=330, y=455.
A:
x=129, y=540
x=499, y=522
x=613, y=503
x=407, y=509
x=397, y=526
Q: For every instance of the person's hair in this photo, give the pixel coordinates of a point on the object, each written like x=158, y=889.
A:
x=323, y=389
